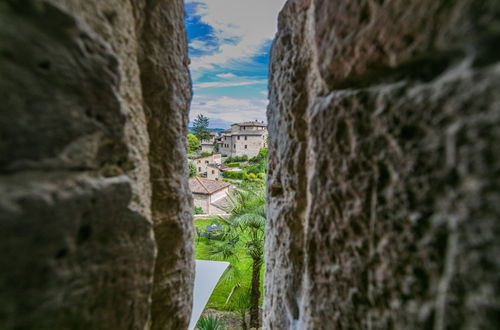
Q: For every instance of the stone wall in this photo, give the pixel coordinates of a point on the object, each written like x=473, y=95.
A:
x=95, y=212
x=384, y=166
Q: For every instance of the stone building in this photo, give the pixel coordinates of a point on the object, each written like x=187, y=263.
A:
x=243, y=139
x=210, y=195
x=208, y=166
x=207, y=145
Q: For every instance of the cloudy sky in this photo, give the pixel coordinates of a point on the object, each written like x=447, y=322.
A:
x=229, y=43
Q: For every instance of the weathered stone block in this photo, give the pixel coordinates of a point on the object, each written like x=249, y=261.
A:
x=73, y=255
x=383, y=172
x=93, y=184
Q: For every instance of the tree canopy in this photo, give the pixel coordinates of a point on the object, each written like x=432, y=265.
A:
x=200, y=127
x=193, y=143
x=246, y=229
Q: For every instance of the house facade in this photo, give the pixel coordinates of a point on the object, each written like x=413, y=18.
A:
x=208, y=166
x=208, y=145
x=210, y=195
x=243, y=139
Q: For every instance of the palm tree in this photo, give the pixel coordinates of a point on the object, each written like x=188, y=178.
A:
x=245, y=230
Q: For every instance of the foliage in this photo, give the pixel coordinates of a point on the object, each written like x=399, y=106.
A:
x=193, y=143
x=235, y=175
x=233, y=164
x=198, y=210
x=256, y=169
x=210, y=323
x=223, y=155
x=237, y=274
x=192, y=170
x=243, y=158
x=238, y=301
x=200, y=126
x=260, y=166
x=263, y=153
x=204, y=154
x=245, y=229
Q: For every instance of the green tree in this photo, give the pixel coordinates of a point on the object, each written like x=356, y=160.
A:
x=193, y=143
x=246, y=226
x=200, y=126
x=192, y=170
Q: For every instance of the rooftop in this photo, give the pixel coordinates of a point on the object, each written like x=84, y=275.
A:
x=223, y=203
x=206, y=186
x=251, y=123
x=215, y=156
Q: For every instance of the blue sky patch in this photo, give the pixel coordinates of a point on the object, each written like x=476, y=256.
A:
x=229, y=42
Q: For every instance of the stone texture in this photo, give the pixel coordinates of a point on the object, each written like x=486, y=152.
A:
x=166, y=87
x=92, y=183
x=383, y=169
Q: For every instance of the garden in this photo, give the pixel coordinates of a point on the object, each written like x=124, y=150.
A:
x=235, y=302
x=253, y=170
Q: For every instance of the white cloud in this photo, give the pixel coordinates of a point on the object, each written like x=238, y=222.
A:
x=242, y=27
x=226, y=75
x=219, y=84
x=228, y=108
x=201, y=45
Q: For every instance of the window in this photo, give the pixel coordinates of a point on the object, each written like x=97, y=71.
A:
x=235, y=146
x=206, y=162
x=244, y=128
x=245, y=146
x=213, y=172
x=199, y=161
x=238, y=137
x=245, y=138
x=199, y=169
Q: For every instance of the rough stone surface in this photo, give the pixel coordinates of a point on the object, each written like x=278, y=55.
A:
x=384, y=166
x=92, y=92
x=166, y=87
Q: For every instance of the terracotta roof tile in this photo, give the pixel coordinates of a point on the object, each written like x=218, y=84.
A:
x=206, y=186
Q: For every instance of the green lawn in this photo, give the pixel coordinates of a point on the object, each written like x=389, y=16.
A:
x=244, y=263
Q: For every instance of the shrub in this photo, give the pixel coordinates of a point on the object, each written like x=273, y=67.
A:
x=210, y=323
x=223, y=155
x=243, y=158
x=232, y=164
x=192, y=170
x=204, y=154
x=193, y=143
x=263, y=153
x=198, y=210
x=235, y=175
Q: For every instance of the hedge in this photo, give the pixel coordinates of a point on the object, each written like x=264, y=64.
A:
x=235, y=175
x=233, y=164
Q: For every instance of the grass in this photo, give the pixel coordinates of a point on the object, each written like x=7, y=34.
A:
x=223, y=288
